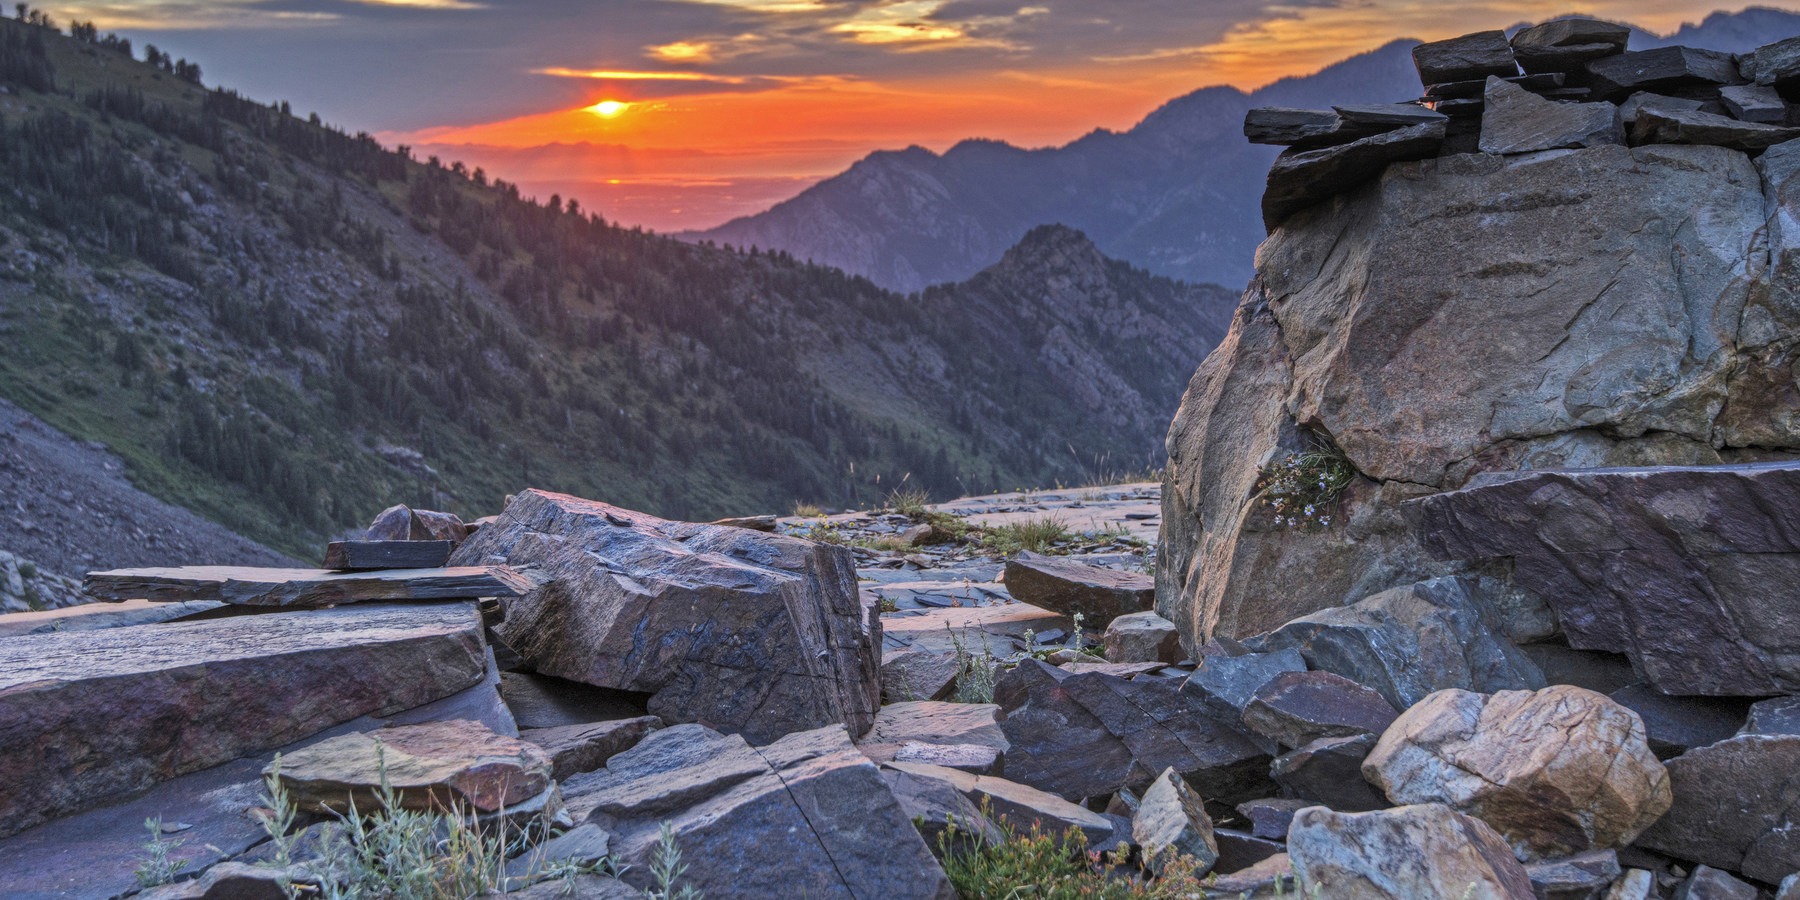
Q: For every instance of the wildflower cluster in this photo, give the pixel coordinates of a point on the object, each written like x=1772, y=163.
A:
x=1301, y=486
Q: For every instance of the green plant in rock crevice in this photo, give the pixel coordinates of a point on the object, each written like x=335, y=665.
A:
x=1301, y=486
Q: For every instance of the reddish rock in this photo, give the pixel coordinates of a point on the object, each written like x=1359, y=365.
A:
x=1070, y=587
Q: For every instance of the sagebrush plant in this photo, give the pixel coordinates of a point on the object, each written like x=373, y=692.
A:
x=158, y=865
x=666, y=868
x=1038, y=864
x=1301, y=486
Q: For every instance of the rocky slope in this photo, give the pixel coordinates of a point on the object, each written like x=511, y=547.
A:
x=1175, y=194
x=274, y=323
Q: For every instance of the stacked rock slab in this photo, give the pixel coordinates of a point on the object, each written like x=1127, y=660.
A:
x=757, y=634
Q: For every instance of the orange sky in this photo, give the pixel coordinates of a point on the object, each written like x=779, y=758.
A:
x=727, y=105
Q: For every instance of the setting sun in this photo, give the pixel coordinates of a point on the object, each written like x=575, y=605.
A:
x=607, y=109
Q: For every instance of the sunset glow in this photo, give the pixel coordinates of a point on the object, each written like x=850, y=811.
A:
x=704, y=109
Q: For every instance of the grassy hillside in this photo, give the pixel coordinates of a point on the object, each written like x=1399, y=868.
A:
x=285, y=328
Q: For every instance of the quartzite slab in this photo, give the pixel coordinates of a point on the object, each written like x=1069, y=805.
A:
x=1692, y=571
x=304, y=587
x=97, y=715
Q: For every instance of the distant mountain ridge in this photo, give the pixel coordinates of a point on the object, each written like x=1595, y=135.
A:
x=1177, y=194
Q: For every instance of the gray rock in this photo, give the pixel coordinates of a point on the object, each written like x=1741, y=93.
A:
x=1069, y=587
x=1657, y=126
x=1088, y=735
x=1737, y=807
x=1776, y=715
x=1409, y=852
x=246, y=586
x=917, y=675
x=1635, y=884
x=1789, y=889
x=1328, y=772
x=1301, y=179
x=1407, y=642
x=1465, y=58
x=70, y=737
x=1708, y=883
x=1584, y=876
x=1236, y=679
x=1774, y=64
x=1282, y=126
x=754, y=633
x=1565, y=45
x=1296, y=708
x=540, y=701
x=1018, y=804
x=1270, y=817
x=958, y=735
x=584, y=845
x=1273, y=877
x=574, y=749
x=1676, y=725
x=1628, y=110
x=1239, y=851
x=1515, y=120
x=1662, y=69
x=1599, y=672
x=403, y=523
x=1367, y=119
x=1142, y=637
x=228, y=881
x=1755, y=103
x=445, y=766
x=806, y=814
x=1171, y=821
x=1540, y=84
x=1663, y=564
x=936, y=805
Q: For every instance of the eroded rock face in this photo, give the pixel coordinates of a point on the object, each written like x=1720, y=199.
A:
x=1737, y=807
x=1638, y=327
x=1427, y=850
x=751, y=633
x=1559, y=771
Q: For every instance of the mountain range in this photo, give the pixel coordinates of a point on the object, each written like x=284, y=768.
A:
x=1177, y=194
x=286, y=327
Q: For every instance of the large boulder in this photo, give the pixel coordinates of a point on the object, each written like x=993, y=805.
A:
x=1090, y=734
x=1737, y=807
x=1692, y=571
x=94, y=716
x=806, y=815
x=1557, y=771
x=1428, y=850
x=747, y=632
x=1573, y=335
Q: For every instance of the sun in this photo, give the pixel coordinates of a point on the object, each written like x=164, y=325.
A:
x=607, y=109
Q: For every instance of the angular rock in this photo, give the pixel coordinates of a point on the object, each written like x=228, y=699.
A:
x=1428, y=850
x=1019, y=804
x=1269, y=818
x=1088, y=735
x=1635, y=884
x=1657, y=126
x=805, y=815
x=1558, y=771
x=1068, y=587
x=228, y=881
x=1515, y=120
x=917, y=675
x=1171, y=821
x=1302, y=179
x=1407, y=642
x=1774, y=64
x=1239, y=851
x=935, y=805
x=586, y=887
x=1565, y=45
x=94, y=616
x=964, y=757
x=1776, y=715
x=1465, y=58
x=754, y=523
x=935, y=722
x=449, y=766
x=1668, y=565
x=1462, y=90
x=386, y=554
x=753, y=633
x=303, y=587
x=1737, y=807
x=1660, y=70
x=583, y=845
x=539, y=701
x=1296, y=708
x=1708, y=883
x=85, y=717
x=1755, y=103
x=1236, y=679
x=1676, y=725
x=403, y=523
x=1142, y=637
x=1378, y=118
x=574, y=749
x=1789, y=889
x=1282, y=126
x=1328, y=771
x=1628, y=110
x=1273, y=877
x=1585, y=876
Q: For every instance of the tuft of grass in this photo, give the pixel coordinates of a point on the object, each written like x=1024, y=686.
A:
x=1041, y=535
x=1038, y=864
x=807, y=511
x=1301, y=487
x=158, y=865
x=975, y=671
x=909, y=502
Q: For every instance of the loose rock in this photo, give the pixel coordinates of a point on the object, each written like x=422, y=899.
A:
x=1171, y=821
x=1663, y=69
x=1565, y=45
x=1659, y=126
x=1068, y=587
x=1328, y=771
x=1142, y=637
x=1736, y=807
x=1409, y=852
x=449, y=766
x=1515, y=120
x=1465, y=58
x=574, y=749
x=1297, y=708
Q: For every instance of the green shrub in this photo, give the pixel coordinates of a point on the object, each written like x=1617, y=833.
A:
x=1038, y=864
x=1301, y=486
x=1043, y=535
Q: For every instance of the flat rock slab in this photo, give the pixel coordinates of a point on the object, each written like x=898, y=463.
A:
x=753, y=633
x=1515, y=120
x=1658, y=126
x=1692, y=571
x=94, y=616
x=94, y=716
x=1019, y=804
x=304, y=587
x=1565, y=45
x=448, y=766
x=1298, y=180
x=1069, y=587
x=387, y=554
x=1465, y=58
x=1662, y=69
x=806, y=815
x=575, y=749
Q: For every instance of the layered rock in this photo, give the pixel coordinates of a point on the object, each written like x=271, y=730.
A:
x=448, y=766
x=92, y=716
x=751, y=633
x=1069, y=587
x=1619, y=342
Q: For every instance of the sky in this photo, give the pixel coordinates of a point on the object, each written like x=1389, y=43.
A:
x=680, y=114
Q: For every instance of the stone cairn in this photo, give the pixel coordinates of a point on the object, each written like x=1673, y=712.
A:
x=1565, y=84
